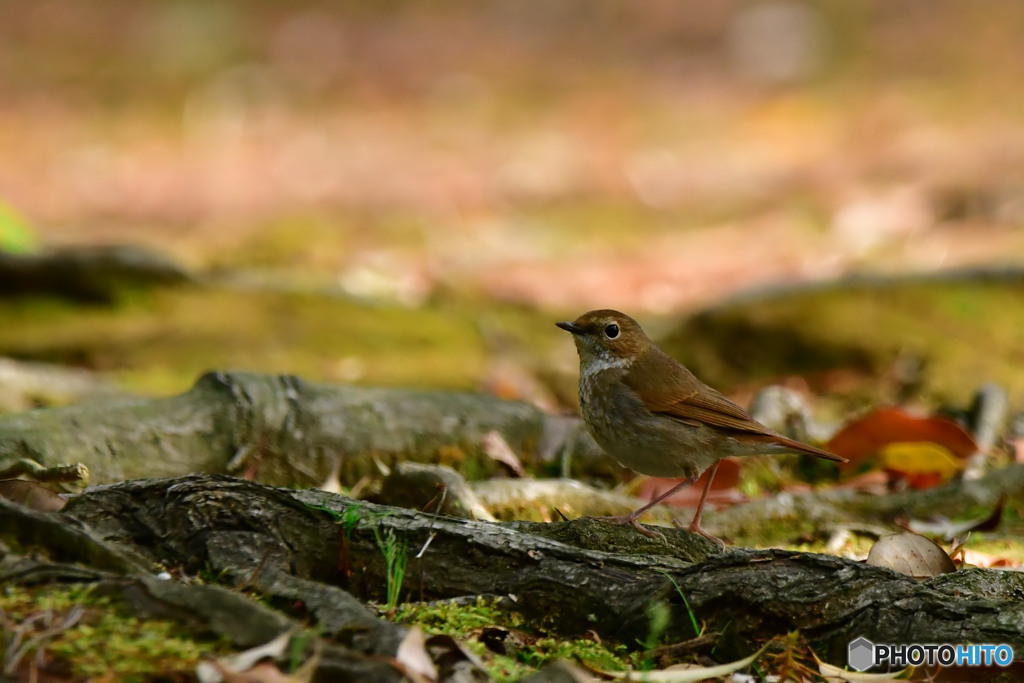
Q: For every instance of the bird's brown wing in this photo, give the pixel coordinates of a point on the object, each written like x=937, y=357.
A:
x=680, y=395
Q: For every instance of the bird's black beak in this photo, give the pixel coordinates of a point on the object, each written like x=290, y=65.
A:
x=570, y=327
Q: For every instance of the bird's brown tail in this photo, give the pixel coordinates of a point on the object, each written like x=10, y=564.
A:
x=804, y=448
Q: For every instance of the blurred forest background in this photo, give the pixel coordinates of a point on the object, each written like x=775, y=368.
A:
x=826, y=195
x=459, y=175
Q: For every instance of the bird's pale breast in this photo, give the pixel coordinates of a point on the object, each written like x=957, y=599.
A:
x=641, y=440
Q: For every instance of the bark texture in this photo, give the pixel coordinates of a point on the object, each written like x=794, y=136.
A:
x=285, y=431
x=572, y=576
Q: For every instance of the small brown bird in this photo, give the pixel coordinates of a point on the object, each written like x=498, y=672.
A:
x=654, y=416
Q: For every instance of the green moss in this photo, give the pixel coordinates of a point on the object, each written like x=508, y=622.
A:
x=466, y=622
x=600, y=219
x=596, y=655
x=966, y=329
x=456, y=620
x=159, y=342
x=107, y=640
x=777, y=532
x=318, y=244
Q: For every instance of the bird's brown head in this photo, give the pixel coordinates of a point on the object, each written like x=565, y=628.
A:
x=607, y=337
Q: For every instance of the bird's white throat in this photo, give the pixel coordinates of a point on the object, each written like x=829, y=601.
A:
x=602, y=363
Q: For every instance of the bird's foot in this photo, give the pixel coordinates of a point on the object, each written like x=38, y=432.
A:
x=696, y=528
x=631, y=520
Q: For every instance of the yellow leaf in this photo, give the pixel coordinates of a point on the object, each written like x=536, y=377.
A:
x=916, y=457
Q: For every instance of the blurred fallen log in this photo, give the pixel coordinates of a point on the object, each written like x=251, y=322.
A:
x=862, y=326
x=442, y=490
x=827, y=510
x=432, y=488
x=25, y=385
x=285, y=431
x=540, y=499
x=87, y=273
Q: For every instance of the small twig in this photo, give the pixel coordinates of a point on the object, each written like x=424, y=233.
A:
x=677, y=650
x=37, y=472
x=426, y=545
x=438, y=500
x=426, y=508
x=36, y=642
x=248, y=581
x=12, y=655
x=238, y=459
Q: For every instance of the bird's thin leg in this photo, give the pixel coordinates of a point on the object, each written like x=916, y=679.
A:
x=632, y=517
x=695, y=524
x=694, y=527
x=639, y=512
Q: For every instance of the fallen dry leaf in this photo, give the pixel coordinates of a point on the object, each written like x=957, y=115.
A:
x=837, y=674
x=498, y=449
x=31, y=494
x=412, y=655
x=911, y=554
x=455, y=661
x=976, y=559
x=257, y=665
x=682, y=673
x=924, y=451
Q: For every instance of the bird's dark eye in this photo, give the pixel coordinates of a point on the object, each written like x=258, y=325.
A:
x=611, y=331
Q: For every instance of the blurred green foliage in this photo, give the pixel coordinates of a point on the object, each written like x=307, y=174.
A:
x=16, y=236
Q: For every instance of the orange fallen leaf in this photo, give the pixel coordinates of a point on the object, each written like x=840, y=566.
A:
x=923, y=450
